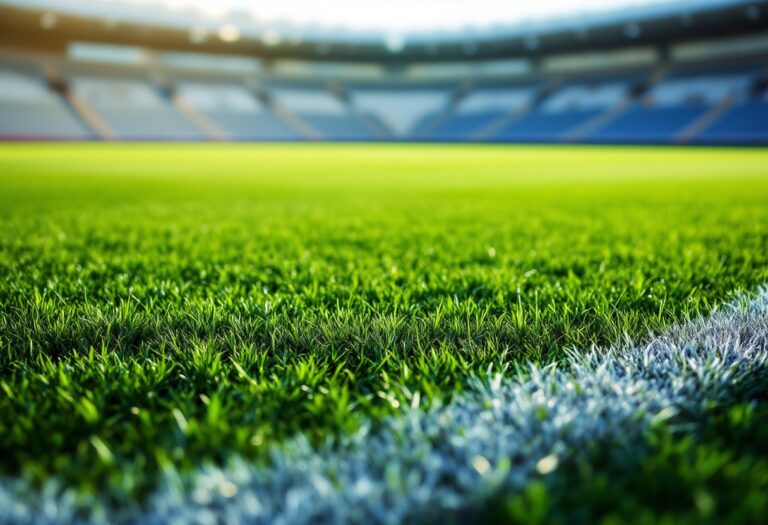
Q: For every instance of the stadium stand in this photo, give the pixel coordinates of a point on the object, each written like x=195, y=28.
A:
x=235, y=112
x=134, y=109
x=28, y=109
x=673, y=105
x=483, y=109
x=573, y=105
x=745, y=120
x=704, y=85
x=321, y=111
x=404, y=113
x=744, y=123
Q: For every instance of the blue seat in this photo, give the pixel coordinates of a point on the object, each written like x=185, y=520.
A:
x=744, y=123
x=649, y=124
x=263, y=125
x=463, y=125
x=338, y=127
x=540, y=126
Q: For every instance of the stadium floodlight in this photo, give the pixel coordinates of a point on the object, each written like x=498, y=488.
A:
x=49, y=20
x=271, y=38
x=229, y=33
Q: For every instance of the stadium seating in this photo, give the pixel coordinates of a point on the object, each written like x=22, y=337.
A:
x=700, y=87
x=644, y=123
x=708, y=105
x=133, y=109
x=569, y=107
x=405, y=113
x=673, y=105
x=543, y=126
x=28, y=109
x=322, y=111
x=481, y=109
x=236, y=111
x=745, y=123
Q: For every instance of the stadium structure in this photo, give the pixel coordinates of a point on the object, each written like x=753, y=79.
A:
x=669, y=72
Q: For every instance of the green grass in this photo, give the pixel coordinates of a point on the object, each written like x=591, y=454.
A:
x=167, y=305
x=719, y=476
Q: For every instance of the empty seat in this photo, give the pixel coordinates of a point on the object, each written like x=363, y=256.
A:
x=744, y=123
x=672, y=106
x=586, y=96
x=648, y=124
x=323, y=112
x=28, y=110
x=134, y=110
x=236, y=111
x=541, y=126
x=701, y=89
x=565, y=110
x=481, y=108
x=404, y=112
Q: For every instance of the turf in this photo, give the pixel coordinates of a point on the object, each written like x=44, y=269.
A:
x=171, y=305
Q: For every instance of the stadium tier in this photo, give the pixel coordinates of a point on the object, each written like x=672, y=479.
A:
x=29, y=110
x=703, y=106
x=233, y=112
x=482, y=111
x=133, y=109
x=705, y=85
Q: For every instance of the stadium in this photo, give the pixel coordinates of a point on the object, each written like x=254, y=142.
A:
x=418, y=262
x=658, y=73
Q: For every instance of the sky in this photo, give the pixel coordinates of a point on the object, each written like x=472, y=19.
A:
x=402, y=16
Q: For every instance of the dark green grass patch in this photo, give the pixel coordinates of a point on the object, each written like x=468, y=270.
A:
x=719, y=475
x=176, y=304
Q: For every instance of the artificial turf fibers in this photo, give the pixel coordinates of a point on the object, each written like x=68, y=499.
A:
x=167, y=306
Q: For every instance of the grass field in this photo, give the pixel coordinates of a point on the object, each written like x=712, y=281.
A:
x=167, y=307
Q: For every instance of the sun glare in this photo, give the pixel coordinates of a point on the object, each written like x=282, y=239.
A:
x=400, y=15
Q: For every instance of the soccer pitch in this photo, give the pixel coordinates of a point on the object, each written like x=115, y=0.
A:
x=235, y=330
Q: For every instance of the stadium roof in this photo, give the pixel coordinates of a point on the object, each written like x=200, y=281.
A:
x=399, y=30
x=400, y=16
x=406, y=20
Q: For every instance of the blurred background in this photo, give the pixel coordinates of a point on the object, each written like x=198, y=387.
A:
x=594, y=71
